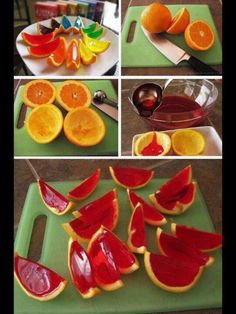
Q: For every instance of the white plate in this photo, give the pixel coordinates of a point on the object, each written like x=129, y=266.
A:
x=38, y=66
x=213, y=141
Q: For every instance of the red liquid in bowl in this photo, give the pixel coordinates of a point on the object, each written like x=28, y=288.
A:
x=177, y=112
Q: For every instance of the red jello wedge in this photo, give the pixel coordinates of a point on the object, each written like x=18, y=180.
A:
x=176, y=248
x=81, y=270
x=39, y=39
x=36, y=280
x=44, y=50
x=73, y=56
x=97, y=206
x=174, y=204
x=58, y=56
x=82, y=228
x=171, y=274
x=52, y=199
x=136, y=231
x=106, y=272
x=86, y=187
x=202, y=240
x=175, y=185
x=151, y=214
x=132, y=178
x=124, y=259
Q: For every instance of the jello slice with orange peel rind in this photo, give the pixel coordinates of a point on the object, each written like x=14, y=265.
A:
x=204, y=241
x=179, y=22
x=105, y=253
x=145, y=139
x=88, y=223
x=170, y=246
x=81, y=270
x=87, y=56
x=24, y=267
x=151, y=215
x=177, y=194
x=132, y=178
x=136, y=231
x=95, y=45
x=44, y=123
x=58, y=56
x=86, y=187
x=72, y=55
x=160, y=266
x=77, y=236
x=38, y=92
x=129, y=264
x=84, y=127
x=43, y=50
x=53, y=199
x=37, y=39
x=72, y=94
x=180, y=206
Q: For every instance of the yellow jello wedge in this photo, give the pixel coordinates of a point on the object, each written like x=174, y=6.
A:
x=87, y=56
x=95, y=45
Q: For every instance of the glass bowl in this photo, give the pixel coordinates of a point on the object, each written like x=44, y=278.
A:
x=202, y=92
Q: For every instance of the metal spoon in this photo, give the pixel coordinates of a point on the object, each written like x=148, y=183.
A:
x=147, y=91
x=100, y=97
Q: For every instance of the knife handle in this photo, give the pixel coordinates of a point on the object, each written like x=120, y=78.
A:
x=201, y=67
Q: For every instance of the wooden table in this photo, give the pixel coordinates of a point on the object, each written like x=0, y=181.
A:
x=131, y=124
x=216, y=10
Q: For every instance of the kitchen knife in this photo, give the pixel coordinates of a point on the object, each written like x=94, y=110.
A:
x=176, y=55
x=108, y=110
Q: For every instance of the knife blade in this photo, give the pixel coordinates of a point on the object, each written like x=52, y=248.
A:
x=176, y=54
x=108, y=110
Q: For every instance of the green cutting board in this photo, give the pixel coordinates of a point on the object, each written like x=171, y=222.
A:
x=25, y=146
x=141, y=53
x=139, y=294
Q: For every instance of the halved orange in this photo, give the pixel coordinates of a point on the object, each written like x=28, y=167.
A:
x=44, y=123
x=199, y=35
x=179, y=22
x=73, y=94
x=84, y=127
x=147, y=139
x=38, y=92
x=187, y=142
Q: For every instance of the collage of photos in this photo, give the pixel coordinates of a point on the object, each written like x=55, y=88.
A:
x=117, y=156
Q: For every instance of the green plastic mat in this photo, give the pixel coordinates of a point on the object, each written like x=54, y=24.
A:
x=25, y=146
x=139, y=294
x=141, y=53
